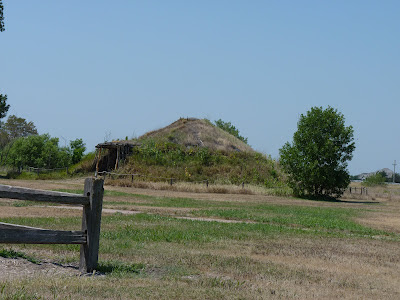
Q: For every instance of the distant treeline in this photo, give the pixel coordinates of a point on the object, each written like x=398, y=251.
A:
x=21, y=145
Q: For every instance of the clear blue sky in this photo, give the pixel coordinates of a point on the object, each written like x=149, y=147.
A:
x=96, y=69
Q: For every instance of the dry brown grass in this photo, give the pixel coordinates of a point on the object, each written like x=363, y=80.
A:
x=36, y=212
x=376, y=193
x=200, y=187
x=184, y=187
x=283, y=267
x=198, y=132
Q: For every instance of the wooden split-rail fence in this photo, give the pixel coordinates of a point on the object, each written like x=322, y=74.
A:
x=88, y=237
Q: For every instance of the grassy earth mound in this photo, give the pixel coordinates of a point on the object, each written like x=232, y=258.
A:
x=194, y=150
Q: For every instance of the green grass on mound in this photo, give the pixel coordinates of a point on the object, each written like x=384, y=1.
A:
x=170, y=160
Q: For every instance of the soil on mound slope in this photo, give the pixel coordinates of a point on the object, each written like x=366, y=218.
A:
x=193, y=132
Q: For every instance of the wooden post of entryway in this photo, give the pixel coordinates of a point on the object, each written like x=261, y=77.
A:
x=91, y=224
x=97, y=162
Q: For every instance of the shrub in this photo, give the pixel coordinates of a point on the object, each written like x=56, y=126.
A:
x=375, y=180
x=228, y=127
x=42, y=151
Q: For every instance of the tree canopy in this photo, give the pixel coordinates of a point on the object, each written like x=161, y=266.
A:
x=43, y=151
x=77, y=149
x=317, y=159
x=4, y=107
x=16, y=127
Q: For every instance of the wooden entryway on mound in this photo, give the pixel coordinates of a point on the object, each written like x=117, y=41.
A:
x=117, y=152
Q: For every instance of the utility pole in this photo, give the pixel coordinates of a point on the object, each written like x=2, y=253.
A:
x=394, y=171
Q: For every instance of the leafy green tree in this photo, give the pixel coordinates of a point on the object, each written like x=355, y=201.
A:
x=1, y=16
x=16, y=127
x=228, y=127
x=41, y=151
x=316, y=161
x=77, y=148
x=11, y=130
x=4, y=107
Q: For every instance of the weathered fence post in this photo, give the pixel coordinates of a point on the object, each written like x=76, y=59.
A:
x=91, y=224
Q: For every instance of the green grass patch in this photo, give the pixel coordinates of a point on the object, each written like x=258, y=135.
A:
x=44, y=175
x=318, y=218
x=119, y=268
x=10, y=253
x=145, y=228
x=165, y=158
x=121, y=234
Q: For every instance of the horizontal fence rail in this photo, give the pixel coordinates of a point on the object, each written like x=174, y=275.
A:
x=19, y=193
x=88, y=237
x=33, y=169
x=16, y=234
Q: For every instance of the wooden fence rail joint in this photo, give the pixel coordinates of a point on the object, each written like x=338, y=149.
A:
x=88, y=237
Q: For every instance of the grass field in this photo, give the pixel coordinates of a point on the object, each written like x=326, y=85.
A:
x=181, y=245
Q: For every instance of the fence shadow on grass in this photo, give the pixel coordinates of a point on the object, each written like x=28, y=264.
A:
x=117, y=267
x=332, y=199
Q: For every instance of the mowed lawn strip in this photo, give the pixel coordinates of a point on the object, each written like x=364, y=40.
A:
x=122, y=231
x=326, y=220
